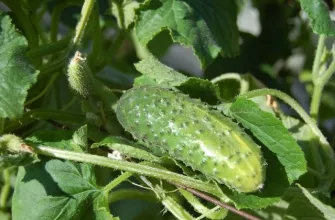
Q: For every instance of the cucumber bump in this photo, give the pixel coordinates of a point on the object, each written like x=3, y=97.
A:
x=187, y=130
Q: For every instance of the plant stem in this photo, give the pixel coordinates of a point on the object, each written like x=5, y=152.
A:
x=319, y=84
x=218, y=203
x=124, y=176
x=131, y=194
x=97, y=37
x=327, y=150
x=69, y=104
x=5, y=189
x=119, y=5
x=54, y=66
x=49, y=48
x=81, y=25
x=112, y=50
x=36, y=17
x=169, y=203
x=291, y=102
x=318, y=55
x=175, y=208
x=128, y=166
x=46, y=88
x=320, y=79
x=329, y=72
x=314, y=172
x=316, y=100
x=244, y=85
x=55, y=15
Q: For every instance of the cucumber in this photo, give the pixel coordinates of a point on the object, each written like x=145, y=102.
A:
x=187, y=130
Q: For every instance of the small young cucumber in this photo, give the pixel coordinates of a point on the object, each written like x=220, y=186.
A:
x=188, y=131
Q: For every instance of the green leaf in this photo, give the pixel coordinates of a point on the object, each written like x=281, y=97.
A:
x=79, y=139
x=54, y=189
x=202, y=89
x=318, y=13
x=17, y=75
x=273, y=134
x=208, y=27
x=327, y=211
x=155, y=72
x=57, y=189
x=124, y=12
x=125, y=147
x=159, y=72
x=305, y=205
x=309, y=143
x=58, y=139
x=158, y=46
x=144, y=80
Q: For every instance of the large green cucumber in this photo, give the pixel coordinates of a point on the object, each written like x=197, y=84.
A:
x=188, y=131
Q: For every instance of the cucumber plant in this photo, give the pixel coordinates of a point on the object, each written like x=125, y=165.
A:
x=92, y=117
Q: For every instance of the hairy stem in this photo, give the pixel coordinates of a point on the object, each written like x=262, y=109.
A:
x=294, y=104
x=318, y=55
x=81, y=25
x=128, y=166
x=316, y=100
x=49, y=48
x=244, y=85
x=124, y=176
x=95, y=56
x=320, y=79
x=131, y=194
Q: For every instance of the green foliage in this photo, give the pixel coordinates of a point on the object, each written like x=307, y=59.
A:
x=319, y=16
x=63, y=189
x=78, y=142
x=209, y=28
x=17, y=74
x=272, y=133
x=166, y=76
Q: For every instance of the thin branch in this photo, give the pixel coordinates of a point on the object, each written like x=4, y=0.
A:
x=217, y=202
